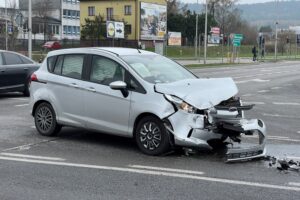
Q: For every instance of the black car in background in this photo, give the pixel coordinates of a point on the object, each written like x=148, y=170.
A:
x=15, y=72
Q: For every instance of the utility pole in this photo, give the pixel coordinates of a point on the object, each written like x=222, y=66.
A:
x=276, y=40
x=205, y=34
x=276, y=32
x=29, y=29
x=6, y=26
x=196, y=36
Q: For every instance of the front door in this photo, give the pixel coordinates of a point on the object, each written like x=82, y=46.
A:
x=107, y=110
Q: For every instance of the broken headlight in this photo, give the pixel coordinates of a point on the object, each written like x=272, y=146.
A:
x=180, y=104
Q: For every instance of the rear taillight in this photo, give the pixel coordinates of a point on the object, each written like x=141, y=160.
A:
x=34, y=77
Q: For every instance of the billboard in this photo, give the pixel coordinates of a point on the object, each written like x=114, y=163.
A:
x=153, y=23
x=174, y=38
x=115, y=29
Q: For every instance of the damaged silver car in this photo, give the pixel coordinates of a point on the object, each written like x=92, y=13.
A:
x=140, y=94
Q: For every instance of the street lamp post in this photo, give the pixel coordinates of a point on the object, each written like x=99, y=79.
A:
x=196, y=36
x=6, y=26
x=276, y=40
x=205, y=34
x=29, y=30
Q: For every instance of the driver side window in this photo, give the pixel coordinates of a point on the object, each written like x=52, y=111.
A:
x=106, y=71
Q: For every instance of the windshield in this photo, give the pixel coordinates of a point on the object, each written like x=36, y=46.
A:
x=157, y=69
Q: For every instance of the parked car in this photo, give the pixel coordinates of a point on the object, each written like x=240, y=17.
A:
x=15, y=72
x=52, y=45
x=140, y=94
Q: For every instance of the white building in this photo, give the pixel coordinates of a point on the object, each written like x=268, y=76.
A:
x=62, y=19
x=70, y=20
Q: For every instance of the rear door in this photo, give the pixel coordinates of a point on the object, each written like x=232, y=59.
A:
x=106, y=109
x=2, y=71
x=66, y=86
x=15, y=72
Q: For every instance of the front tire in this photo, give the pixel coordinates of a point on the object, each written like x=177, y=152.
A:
x=45, y=120
x=152, y=137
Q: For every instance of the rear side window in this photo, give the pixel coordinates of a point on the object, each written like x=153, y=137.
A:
x=12, y=59
x=51, y=63
x=58, y=65
x=26, y=60
x=72, y=66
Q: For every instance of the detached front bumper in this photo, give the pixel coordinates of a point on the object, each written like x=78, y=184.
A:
x=252, y=127
x=190, y=130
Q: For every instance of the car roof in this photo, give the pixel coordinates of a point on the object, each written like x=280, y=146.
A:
x=113, y=50
x=17, y=53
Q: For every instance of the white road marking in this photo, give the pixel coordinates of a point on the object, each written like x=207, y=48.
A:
x=254, y=102
x=287, y=103
x=247, y=95
x=266, y=70
x=263, y=91
x=33, y=127
x=21, y=105
x=158, y=173
x=253, y=80
x=278, y=137
x=276, y=88
x=293, y=157
x=294, y=184
x=166, y=169
x=27, y=146
x=298, y=132
x=32, y=156
x=285, y=139
x=283, y=116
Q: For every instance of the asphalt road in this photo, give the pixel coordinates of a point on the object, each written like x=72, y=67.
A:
x=86, y=165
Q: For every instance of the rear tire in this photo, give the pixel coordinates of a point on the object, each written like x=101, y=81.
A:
x=26, y=91
x=45, y=120
x=152, y=137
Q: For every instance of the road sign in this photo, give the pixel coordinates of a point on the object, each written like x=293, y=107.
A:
x=119, y=30
x=10, y=28
x=238, y=36
x=236, y=40
x=115, y=29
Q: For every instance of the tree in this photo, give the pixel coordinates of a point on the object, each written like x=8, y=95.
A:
x=176, y=7
x=93, y=29
x=266, y=29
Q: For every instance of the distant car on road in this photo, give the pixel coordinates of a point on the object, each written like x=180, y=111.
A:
x=15, y=72
x=52, y=45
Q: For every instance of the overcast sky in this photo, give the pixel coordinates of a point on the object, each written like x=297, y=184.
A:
x=240, y=1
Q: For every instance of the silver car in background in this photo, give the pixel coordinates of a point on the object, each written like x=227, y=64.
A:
x=142, y=95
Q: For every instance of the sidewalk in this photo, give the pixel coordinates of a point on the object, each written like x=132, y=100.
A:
x=212, y=61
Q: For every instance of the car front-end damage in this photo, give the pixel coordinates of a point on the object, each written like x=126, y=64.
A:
x=207, y=113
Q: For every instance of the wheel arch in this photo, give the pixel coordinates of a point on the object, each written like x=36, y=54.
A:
x=36, y=104
x=146, y=114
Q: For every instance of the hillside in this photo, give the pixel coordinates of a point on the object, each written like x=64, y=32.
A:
x=286, y=12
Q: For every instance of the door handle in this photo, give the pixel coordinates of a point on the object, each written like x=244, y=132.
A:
x=25, y=69
x=74, y=85
x=2, y=70
x=91, y=89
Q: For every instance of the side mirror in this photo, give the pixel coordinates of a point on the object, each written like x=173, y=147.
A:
x=120, y=85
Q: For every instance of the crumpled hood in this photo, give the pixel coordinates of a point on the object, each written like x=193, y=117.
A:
x=200, y=93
